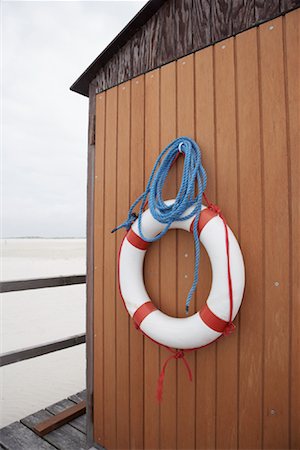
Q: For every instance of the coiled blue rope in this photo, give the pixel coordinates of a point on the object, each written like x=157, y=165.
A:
x=190, y=194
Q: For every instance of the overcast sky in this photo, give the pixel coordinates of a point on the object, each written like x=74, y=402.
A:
x=45, y=47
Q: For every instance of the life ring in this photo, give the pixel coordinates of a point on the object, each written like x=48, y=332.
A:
x=206, y=325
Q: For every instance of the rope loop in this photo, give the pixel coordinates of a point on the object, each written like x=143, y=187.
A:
x=176, y=354
x=189, y=195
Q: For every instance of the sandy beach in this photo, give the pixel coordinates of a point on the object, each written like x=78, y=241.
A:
x=38, y=316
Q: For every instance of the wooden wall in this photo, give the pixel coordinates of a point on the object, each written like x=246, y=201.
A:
x=180, y=27
x=240, y=100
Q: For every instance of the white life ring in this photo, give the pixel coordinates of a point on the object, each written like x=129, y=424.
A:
x=206, y=325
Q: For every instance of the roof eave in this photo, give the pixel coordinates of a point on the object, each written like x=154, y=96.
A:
x=81, y=85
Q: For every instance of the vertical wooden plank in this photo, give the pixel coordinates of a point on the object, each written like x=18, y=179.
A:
x=100, y=80
x=152, y=269
x=152, y=42
x=243, y=15
x=90, y=264
x=221, y=19
x=266, y=9
x=168, y=266
x=166, y=37
x=98, y=269
x=111, y=69
x=292, y=73
x=201, y=23
x=109, y=281
x=138, y=52
x=205, y=357
x=183, y=26
x=251, y=321
x=122, y=318
x=276, y=352
x=136, y=338
x=227, y=348
x=185, y=260
x=125, y=63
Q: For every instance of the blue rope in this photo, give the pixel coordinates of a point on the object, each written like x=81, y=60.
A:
x=190, y=194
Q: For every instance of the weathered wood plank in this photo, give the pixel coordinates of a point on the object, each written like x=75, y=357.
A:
x=79, y=422
x=152, y=43
x=243, y=15
x=137, y=53
x=183, y=38
x=125, y=63
x=65, y=437
x=112, y=69
x=221, y=19
x=201, y=23
x=100, y=80
x=266, y=9
x=166, y=35
x=76, y=398
x=17, y=436
x=287, y=5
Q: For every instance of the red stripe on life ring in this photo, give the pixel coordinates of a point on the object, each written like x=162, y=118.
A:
x=142, y=312
x=211, y=320
x=136, y=240
x=205, y=216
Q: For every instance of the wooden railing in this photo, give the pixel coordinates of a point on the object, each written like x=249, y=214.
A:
x=39, y=283
x=49, y=347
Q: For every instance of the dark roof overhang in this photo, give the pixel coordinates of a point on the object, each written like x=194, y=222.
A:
x=81, y=85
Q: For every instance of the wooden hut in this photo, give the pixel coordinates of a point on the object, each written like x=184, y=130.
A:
x=227, y=74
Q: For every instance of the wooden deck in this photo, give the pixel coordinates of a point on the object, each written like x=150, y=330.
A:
x=72, y=436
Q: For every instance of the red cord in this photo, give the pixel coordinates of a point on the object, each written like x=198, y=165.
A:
x=177, y=354
x=230, y=326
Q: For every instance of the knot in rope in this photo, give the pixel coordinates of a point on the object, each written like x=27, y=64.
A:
x=230, y=327
x=128, y=222
x=179, y=354
x=215, y=208
x=189, y=195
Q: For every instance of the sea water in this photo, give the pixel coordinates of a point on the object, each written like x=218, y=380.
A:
x=38, y=316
